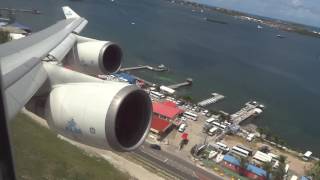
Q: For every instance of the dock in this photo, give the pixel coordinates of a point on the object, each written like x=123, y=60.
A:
x=143, y=80
x=160, y=68
x=188, y=82
x=216, y=97
x=250, y=109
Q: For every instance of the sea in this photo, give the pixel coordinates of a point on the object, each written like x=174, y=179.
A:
x=233, y=58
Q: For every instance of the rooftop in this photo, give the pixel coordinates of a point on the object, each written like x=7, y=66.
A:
x=308, y=154
x=254, y=169
x=262, y=157
x=166, y=109
x=159, y=125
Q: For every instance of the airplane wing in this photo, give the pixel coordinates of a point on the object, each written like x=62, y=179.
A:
x=48, y=73
x=22, y=71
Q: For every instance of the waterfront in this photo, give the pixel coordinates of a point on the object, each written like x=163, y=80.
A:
x=235, y=59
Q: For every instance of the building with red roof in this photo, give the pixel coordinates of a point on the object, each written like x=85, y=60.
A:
x=166, y=110
x=164, y=116
x=159, y=125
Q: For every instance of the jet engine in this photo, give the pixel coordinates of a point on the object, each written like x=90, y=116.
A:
x=106, y=115
x=99, y=56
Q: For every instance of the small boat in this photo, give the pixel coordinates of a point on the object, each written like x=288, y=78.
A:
x=259, y=27
x=280, y=36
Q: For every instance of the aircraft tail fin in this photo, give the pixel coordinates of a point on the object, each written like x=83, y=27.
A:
x=69, y=13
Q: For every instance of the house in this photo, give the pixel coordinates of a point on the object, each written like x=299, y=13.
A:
x=165, y=115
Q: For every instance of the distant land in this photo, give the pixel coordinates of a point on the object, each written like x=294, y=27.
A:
x=274, y=23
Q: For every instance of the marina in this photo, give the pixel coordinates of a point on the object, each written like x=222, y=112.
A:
x=216, y=97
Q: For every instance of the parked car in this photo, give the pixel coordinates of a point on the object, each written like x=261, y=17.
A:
x=155, y=146
x=182, y=127
x=206, y=127
x=183, y=118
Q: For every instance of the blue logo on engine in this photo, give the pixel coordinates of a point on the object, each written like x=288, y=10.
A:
x=72, y=127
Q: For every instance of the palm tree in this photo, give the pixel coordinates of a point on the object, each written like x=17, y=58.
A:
x=243, y=165
x=4, y=36
x=268, y=168
x=282, y=159
x=314, y=172
x=280, y=171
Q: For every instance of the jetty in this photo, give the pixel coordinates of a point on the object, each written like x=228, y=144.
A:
x=188, y=82
x=215, y=98
x=251, y=108
x=160, y=68
x=144, y=81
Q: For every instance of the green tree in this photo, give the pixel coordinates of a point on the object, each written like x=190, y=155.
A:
x=243, y=165
x=4, y=36
x=268, y=168
x=279, y=173
x=314, y=172
x=282, y=159
x=187, y=98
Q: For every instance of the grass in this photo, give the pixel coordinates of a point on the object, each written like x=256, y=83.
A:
x=39, y=154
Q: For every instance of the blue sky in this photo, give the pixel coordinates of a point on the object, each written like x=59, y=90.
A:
x=301, y=11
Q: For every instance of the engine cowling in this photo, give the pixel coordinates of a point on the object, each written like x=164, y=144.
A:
x=113, y=115
x=99, y=56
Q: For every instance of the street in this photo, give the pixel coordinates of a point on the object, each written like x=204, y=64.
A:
x=174, y=165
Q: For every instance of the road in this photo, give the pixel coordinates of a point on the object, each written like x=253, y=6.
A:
x=173, y=165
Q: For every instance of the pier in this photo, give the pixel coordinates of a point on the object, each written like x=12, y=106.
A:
x=160, y=68
x=188, y=82
x=143, y=80
x=250, y=109
x=216, y=97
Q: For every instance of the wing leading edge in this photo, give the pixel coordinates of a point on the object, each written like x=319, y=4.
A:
x=22, y=71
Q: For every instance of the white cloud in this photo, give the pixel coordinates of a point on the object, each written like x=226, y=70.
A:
x=297, y=3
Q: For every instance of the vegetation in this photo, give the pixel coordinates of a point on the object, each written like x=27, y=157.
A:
x=279, y=173
x=265, y=131
x=268, y=168
x=182, y=143
x=39, y=154
x=243, y=165
x=187, y=98
x=314, y=172
x=4, y=36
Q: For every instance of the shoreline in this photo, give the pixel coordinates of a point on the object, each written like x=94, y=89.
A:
x=270, y=22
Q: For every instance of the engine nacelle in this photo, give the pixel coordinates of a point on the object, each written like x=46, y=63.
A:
x=112, y=115
x=99, y=56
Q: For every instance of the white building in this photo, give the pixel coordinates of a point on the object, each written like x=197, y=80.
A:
x=261, y=158
x=307, y=155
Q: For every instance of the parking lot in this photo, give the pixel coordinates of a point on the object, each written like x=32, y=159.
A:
x=194, y=129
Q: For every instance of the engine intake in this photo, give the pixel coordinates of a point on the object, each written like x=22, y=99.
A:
x=99, y=56
x=108, y=115
x=111, y=57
